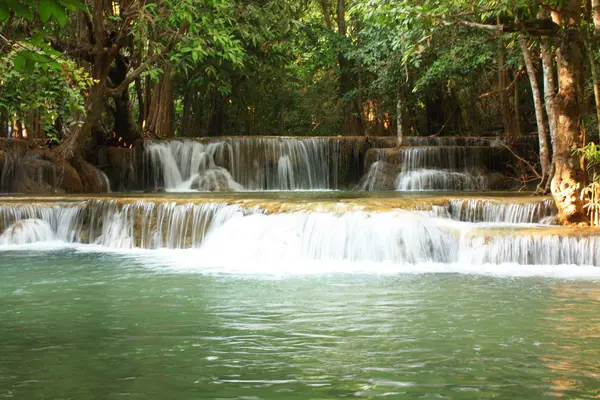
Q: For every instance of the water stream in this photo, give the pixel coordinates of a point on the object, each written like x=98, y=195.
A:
x=251, y=163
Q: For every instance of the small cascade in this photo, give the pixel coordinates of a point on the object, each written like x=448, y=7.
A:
x=536, y=249
x=434, y=179
x=65, y=220
x=27, y=231
x=380, y=176
x=438, y=163
x=478, y=210
x=187, y=165
x=448, y=141
x=155, y=226
x=9, y=168
x=253, y=163
x=452, y=158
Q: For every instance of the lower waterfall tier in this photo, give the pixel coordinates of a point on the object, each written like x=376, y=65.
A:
x=411, y=230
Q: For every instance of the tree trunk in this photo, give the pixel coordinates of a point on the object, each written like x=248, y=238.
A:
x=124, y=125
x=592, y=58
x=503, y=92
x=399, y=118
x=544, y=138
x=595, y=81
x=75, y=142
x=596, y=16
x=569, y=178
x=547, y=57
x=162, y=108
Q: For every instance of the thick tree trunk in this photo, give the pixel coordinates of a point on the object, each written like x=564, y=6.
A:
x=569, y=178
x=544, y=137
x=596, y=16
x=162, y=108
x=124, y=125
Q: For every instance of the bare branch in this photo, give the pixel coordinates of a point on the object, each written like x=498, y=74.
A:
x=536, y=27
x=506, y=89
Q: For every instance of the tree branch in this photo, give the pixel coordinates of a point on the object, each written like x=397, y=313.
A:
x=117, y=91
x=536, y=27
x=506, y=89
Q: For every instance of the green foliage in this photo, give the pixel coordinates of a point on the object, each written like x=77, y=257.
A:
x=591, y=155
x=55, y=95
x=273, y=66
x=45, y=9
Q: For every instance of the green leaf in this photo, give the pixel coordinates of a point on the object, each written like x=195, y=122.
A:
x=21, y=10
x=29, y=66
x=72, y=5
x=56, y=66
x=61, y=16
x=19, y=62
x=4, y=11
x=46, y=10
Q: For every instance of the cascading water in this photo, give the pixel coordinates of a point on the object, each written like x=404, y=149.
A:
x=477, y=210
x=190, y=165
x=443, y=168
x=250, y=163
x=472, y=231
x=441, y=163
x=434, y=179
x=27, y=231
x=448, y=141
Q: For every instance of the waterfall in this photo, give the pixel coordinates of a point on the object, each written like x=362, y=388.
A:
x=9, y=168
x=448, y=141
x=433, y=179
x=477, y=210
x=464, y=231
x=252, y=163
x=532, y=250
x=441, y=163
x=445, y=158
x=27, y=231
x=64, y=219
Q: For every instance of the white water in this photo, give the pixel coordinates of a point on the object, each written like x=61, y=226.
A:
x=444, y=163
x=433, y=179
x=27, y=231
x=229, y=164
x=231, y=237
x=188, y=165
x=491, y=211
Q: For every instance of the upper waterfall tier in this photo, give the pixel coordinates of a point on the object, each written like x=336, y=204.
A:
x=253, y=163
x=432, y=167
x=449, y=141
x=451, y=158
x=402, y=230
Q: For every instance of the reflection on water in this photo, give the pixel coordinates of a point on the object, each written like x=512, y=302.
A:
x=573, y=322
